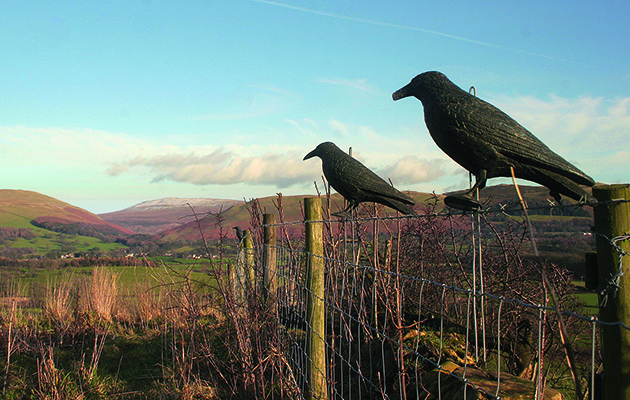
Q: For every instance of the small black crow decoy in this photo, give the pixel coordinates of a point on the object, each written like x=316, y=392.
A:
x=239, y=233
x=355, y=182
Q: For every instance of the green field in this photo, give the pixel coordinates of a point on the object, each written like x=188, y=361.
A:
x=33, y=282
x=47, y=241
x=589, y=299
x=137, y=314
x=18, y=209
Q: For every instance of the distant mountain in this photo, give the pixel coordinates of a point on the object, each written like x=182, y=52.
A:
x=33, y=223
x=153, y=216
x=494, y=197
x=239, y=215
x=177, y=202
x=19, y=207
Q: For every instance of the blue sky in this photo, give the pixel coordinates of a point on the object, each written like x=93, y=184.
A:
x=107, y=104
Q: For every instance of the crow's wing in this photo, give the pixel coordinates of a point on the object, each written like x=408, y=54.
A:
x=349, y=175
x=508, y=137
x=373, y=184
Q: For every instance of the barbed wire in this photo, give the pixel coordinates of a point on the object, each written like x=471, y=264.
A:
x=612, y=284
x=374, y=270
x=375, y=330
x=473, y=292
x=453, y=212
x=381, y=333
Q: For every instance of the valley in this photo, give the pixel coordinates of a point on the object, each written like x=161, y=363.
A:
x=34, y=226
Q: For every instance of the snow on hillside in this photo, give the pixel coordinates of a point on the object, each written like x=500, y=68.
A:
x=175, y=202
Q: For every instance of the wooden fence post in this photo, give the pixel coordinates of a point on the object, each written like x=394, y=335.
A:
x=242, y=276
x=248, y=248
x=237, y=274
x=612, y=221
x=269, y=261
x=315, y=316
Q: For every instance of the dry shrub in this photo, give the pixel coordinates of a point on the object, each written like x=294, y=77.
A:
x=52, y=383
x=143, y=304
x=18, y=326
x=198, y=389
x=100, y=294
x=148, y=302
x=59, y=304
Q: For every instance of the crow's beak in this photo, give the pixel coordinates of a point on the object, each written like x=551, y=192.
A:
x=400, y=93
x=310, y=155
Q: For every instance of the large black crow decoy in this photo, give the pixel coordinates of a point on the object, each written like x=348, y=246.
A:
x=355, y=182
x=488, y=142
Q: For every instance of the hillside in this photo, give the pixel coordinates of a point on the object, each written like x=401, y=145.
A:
x=491, y=196
x=563, y=233
x=150, y=217
x=239, y=215
x=537, y=199
x=33, y=223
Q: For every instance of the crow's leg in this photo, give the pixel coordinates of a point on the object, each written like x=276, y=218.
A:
x=466, y=201
x=480, y=183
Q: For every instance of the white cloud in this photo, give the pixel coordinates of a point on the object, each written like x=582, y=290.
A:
x=306, y=127
x=224, y=168
x=582, y=120
x=66, y=147
x=117, y=169
x=412, y=169
x=591, y=132
x=339, y=127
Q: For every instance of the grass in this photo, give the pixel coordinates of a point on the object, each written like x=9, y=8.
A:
x=149, y=332
x=58, y=242
x=134, y=333
x=590, y=299
x=35, y=282
x=47, y=241
x=98, y=331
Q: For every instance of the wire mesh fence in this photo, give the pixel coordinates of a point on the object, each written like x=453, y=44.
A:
x=433, y=306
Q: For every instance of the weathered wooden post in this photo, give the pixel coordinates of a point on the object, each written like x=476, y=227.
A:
x=242, y=276
x=248, y=248
x=237, y=274
x=612, y=220
x=269, y=261
x=315, y=316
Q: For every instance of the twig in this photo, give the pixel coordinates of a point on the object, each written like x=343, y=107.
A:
x=570, y=354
